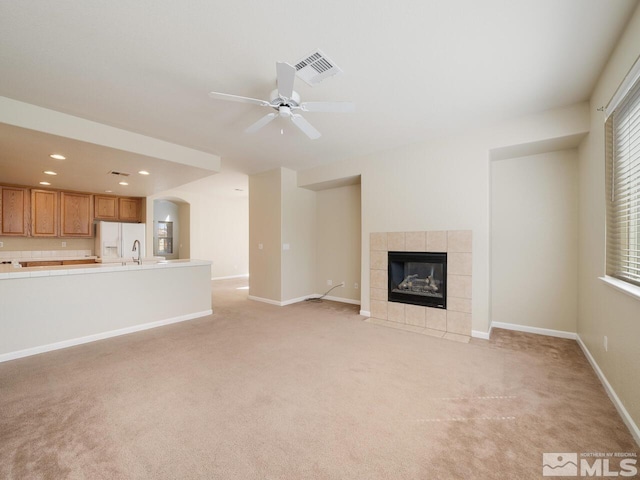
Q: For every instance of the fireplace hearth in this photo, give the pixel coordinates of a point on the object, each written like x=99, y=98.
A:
x=418, y=278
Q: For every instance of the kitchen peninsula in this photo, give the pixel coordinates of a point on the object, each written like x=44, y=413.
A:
x=52, y=307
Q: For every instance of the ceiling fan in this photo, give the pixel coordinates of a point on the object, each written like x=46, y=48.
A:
x=286, y=102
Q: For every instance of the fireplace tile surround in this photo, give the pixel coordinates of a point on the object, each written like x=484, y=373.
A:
x=455, y=321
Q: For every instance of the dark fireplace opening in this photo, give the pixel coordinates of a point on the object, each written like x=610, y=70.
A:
x=418, y=278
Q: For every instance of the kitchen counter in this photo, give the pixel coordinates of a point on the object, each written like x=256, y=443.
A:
x=51, y=307
x=8, y=272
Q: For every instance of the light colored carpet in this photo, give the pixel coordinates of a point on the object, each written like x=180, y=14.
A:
x=304, y=391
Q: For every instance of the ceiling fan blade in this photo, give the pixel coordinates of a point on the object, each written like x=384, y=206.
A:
x=236, y=98
x=261, y=123
x=338, y=107
x=308, y=129
x=286, y=75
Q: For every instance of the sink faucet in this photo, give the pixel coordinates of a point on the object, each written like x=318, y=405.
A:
x=138, y=249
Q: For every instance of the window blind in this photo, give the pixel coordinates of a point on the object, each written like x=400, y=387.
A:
x=622, y=139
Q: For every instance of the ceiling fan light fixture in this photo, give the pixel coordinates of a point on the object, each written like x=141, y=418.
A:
x=285, y=101
x=285, y=111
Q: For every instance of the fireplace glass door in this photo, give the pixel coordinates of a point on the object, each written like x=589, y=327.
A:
x=418, y=278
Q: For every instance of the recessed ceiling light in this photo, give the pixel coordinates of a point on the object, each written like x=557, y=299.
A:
x=123, y=183
x=143, y=172
x=57, y=156
x=45, y=183
x=108, y=191
x=49, y=172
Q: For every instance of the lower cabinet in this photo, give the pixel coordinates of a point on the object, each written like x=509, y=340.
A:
x=42, y=263
x=78, y=262
x=55, y=263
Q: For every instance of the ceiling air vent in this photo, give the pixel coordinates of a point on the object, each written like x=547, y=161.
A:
x=315, y=67
x=119, y=174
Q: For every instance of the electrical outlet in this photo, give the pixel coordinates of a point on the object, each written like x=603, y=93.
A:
x=260, y=246
x=344, y=284
x=355, y=285
x=1, y=244
x=606, y=346
x=329, y=282
x=64, y=244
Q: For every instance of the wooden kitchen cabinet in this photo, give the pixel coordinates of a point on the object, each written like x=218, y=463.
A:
x=130, y=209
x=79, y=262
x=76, y=211
x=105, y=207
x=44, y=213
x=14, y=211
x=42, y=263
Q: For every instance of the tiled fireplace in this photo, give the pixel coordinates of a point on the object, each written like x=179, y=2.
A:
x=453, y=320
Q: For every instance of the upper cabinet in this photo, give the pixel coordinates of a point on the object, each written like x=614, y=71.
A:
x=54, y=213
x=14, y=211
x=130, y=209
x=105, y=207
x=76, y=218
x=44, y=213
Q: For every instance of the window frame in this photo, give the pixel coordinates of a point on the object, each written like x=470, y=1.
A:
x=622, y=258
x=168, y=236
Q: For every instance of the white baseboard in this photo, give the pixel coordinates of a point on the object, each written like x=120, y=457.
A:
x=244, y=275
x=482, y=335
x=340, y=299
x=302, y=299
x=536, y=330
x=364, y=313
x=5, y=357
x=278, y=303
x=626, y=418
x=265, y=300
x=295, y=300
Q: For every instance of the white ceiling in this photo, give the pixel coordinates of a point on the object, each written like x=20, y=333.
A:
x=25, y=156
x=412, y=67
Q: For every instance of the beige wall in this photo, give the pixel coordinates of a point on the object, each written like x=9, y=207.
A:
x=218, y=222
x=184, y=240
x=443, y=184
x=265, y=230
x=307, y=238
x=601, y=309
x=338, y=226
x=299, y=236
x=534, y=234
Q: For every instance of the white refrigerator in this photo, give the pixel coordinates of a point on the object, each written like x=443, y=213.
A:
x=115, y=240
